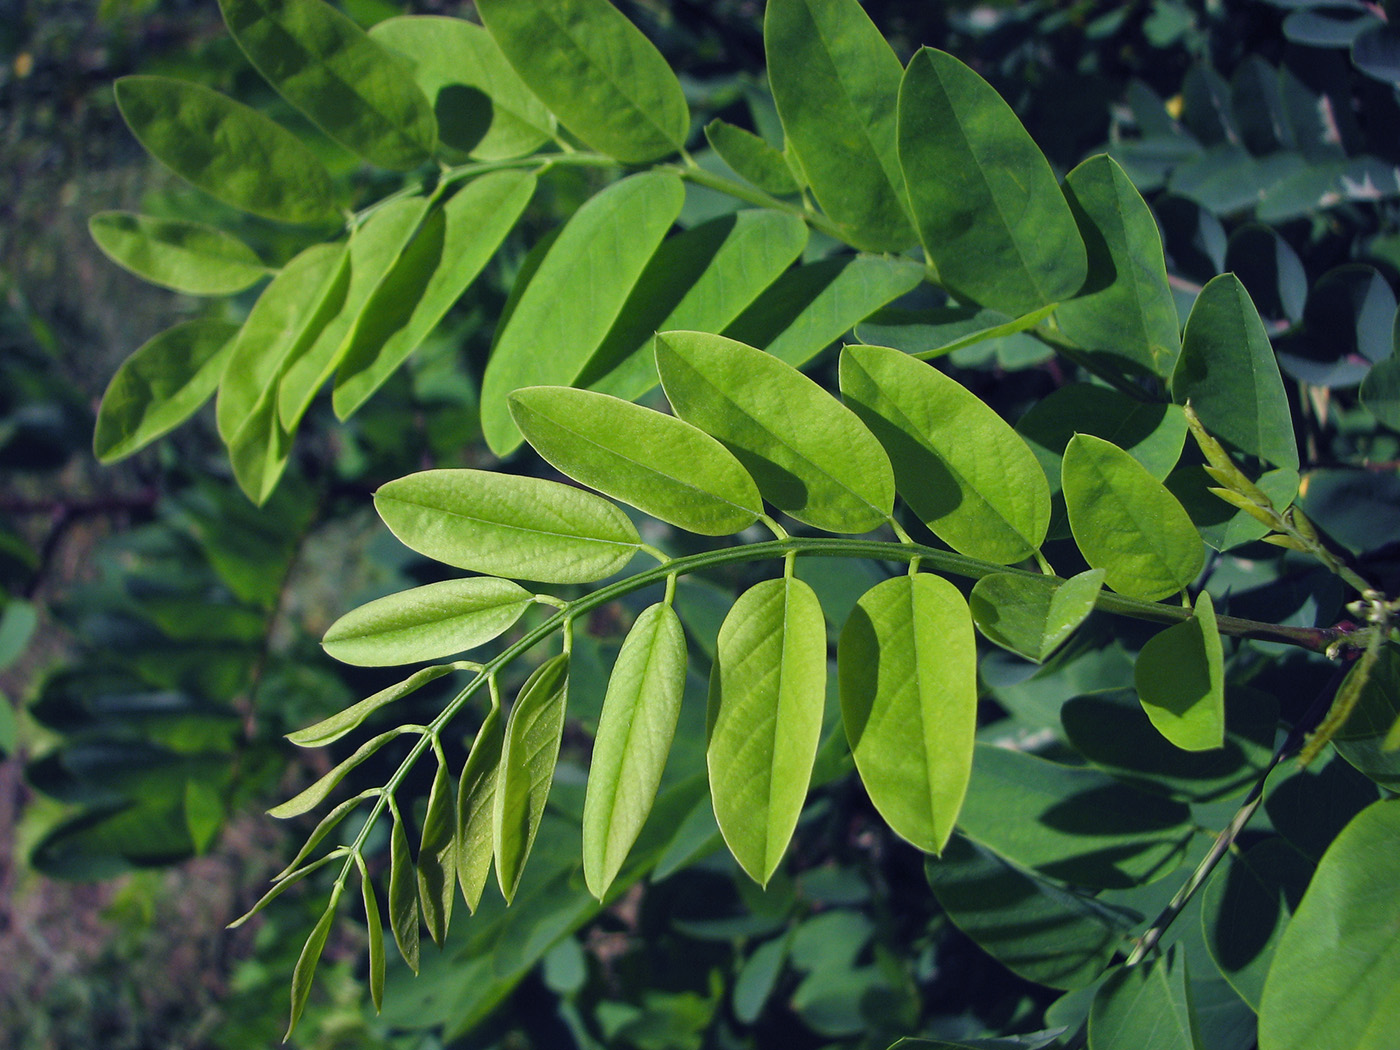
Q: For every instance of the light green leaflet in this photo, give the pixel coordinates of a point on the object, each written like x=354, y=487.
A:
x=313, y=796
x=518, y=527
x=359, y=93
x=373, y=250
x=374, y=930
x=1228, y=372
x=476, y=796
x=907, y=663
x=767, y=694
x=810, y=307
x=639, y=716
x=594, y=69
x=305, y=970
x=1335, y=979
x=1126, y=316
x=425, y=623
x=483, y=108
x=403, y=893
x=437, y=856
x=1126, y=522
x=160, y=386
x=699, y=280
x=574, y=297
x=260, y=450
x=186, y=256
x=1180, y=679
x=254, y=164
x=286, y=315
x=1033, y=615
x=960, y=467
x=656, y=462
x=1147, y=1006
x=533, y=734
x=751, y=158
x=447, y=253
x=331, y=729
x=989, y=212
x=836, y=84
x=810, y=455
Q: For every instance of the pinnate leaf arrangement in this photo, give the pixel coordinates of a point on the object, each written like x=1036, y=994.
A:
x=925, y=182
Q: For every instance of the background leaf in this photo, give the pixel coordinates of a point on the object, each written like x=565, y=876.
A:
x=908, y=669
x=175, y=253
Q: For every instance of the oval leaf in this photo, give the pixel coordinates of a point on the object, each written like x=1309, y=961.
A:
x=1033, y=615
x=767, y=694
x=1126, y=522
x=331, y=729
x=638, y=721
x=425, y=623
x=476, y=794
x=483, y=108
x=533, y=734
x=810, y=455
x=523, y=528
x=961, y=468
x=987, y=207
x=1228, y=372
x=836, y=85
x=359, y=93
x=1335, y=980
x=437, y=856
x=160, y=386
x=907, y=661
x=559, y=321
x=186, y=256
x=253, y=163
x=595, y=69
x=403, y=894
x=657, y=463
x=1180, y=679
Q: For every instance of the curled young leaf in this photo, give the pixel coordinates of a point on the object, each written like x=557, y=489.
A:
x=286, y=881
x=437, y=856
x=403, y=893
x=374, y=930
x=305, y=970
x=331, y=729
x=316, y=794
x=476, y=795
x=324, y=827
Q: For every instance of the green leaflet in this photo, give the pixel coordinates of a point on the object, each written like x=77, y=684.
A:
x=253, y=163
x=331, y=729
x=1228, y=372
x=453, y=245
x=517, y=527
x=359, y=93
x=260, y=450
x=1125, y=521
x=160, y=386
x=1335, y=980
x=186, y=256
x=808, y=308
x=324, y=827
x=638, y=721
x=810, y=455
x=767, y=693
x=372, y=252
x=286, y=881
x=1071, y=823
x=532, y=737
x=437, y=856
x=989, y=212
x=836, y=84
x=374, y=930
x=476, y=794
x=595, y=69
x=313, y=796
x=960, y=467
x=751, y=158
x=656, y=462
x=287, y=314
x=1147, y=1006
x=1126, y=314
x=426, y=623
x=1180, y=679
x=1044, y=933
x=305, y=970
x=1033, y=615
x=559, y=320
x=403, y=893
x=907, y=663
x=483, y=108
x=699, y=280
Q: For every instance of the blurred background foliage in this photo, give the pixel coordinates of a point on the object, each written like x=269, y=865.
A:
x=158, y=634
